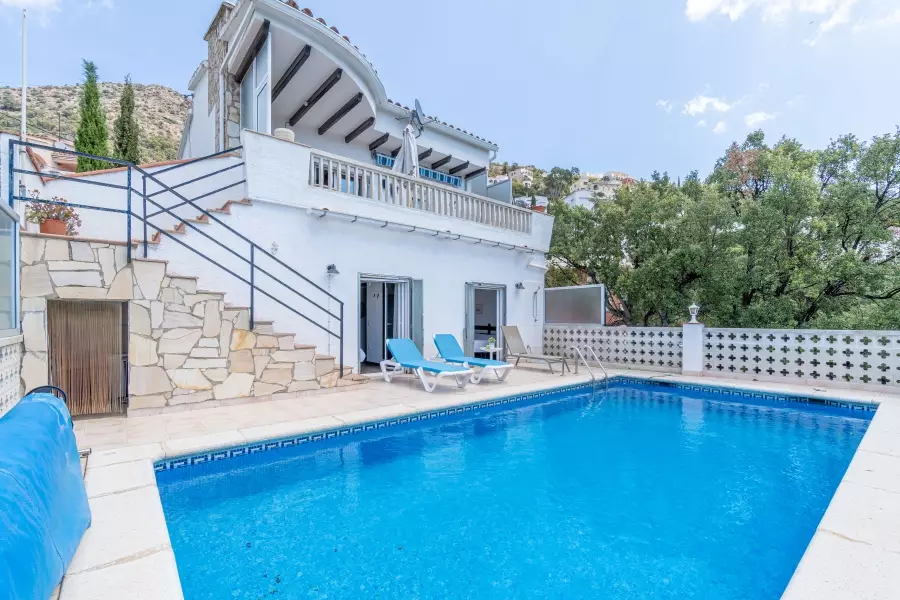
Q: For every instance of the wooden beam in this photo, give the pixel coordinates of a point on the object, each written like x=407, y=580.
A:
x=459, y=168
x=397, y=151
x=341, y=112
x=257, y=45
x=379, y=142
x=440, y=163
x=316, y=96
x=292, y=70
x=362, y=127
x=426, y=154
x=475, y=173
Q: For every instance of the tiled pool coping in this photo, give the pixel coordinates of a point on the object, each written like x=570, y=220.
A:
x=214, y=455
x=841, y=561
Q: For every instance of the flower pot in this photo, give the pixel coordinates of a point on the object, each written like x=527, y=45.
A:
x=53, y=226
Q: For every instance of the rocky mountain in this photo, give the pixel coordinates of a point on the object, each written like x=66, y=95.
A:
x=53, y=109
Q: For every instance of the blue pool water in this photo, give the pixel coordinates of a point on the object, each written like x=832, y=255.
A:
x=644, y=492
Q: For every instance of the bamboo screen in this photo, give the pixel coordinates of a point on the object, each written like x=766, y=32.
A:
x=87, y=359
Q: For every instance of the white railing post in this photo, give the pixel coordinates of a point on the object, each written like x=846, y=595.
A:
x=353, y=178
x=692, y=348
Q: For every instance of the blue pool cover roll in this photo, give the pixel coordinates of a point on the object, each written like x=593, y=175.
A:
x=43, y=504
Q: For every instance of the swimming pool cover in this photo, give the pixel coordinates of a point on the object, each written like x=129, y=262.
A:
x=43, y=504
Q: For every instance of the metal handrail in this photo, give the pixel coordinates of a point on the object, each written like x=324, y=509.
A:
x=144, y=218
x=605, y=374
x=581, y=356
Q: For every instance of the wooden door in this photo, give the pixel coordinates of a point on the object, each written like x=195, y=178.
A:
x=87, y=354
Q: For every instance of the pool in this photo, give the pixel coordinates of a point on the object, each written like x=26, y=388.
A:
x=639, y=492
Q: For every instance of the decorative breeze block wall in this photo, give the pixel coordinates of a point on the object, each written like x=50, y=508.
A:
x=10, y=359
x=650, y=348
x=833, y=358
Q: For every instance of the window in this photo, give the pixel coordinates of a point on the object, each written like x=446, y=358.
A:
x=9, y=320
x=255, y=98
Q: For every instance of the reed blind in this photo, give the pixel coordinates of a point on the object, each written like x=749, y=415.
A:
x=87, y=358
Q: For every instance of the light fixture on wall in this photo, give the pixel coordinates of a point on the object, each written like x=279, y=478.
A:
x=332, y=270
x=520, y=286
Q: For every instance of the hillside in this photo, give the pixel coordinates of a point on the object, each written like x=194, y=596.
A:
x=54, y=109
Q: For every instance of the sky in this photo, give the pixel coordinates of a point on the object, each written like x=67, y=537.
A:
x=632, y=86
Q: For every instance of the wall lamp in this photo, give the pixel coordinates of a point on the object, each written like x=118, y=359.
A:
x=332, y=270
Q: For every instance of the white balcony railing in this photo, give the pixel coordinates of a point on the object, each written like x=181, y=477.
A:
x=349, y=177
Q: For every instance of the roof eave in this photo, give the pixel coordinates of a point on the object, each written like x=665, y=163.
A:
x=446, y=129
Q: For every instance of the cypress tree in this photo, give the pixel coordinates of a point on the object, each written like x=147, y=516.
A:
x=125, y=130
x=91, y=136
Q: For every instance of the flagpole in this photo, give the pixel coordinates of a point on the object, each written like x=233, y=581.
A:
x=23, y=127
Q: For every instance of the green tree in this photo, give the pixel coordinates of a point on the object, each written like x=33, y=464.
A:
x=91, y=136
x=777, y=236
x=558, y=182
x=126, y=141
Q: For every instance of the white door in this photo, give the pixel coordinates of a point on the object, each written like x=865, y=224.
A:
x=374, y=322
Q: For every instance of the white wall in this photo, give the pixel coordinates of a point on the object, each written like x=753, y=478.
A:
x=202, y=134
x=32, y=182
x=309, y=244
x=278, y=171
x=112, y=226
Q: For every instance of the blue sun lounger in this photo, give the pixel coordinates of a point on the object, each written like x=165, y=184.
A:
x=407, y=356
x=450, y=351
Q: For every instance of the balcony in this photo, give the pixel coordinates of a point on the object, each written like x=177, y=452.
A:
x=343, y=176
x=382, y=160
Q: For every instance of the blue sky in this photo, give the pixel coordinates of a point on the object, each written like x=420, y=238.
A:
x=599, y=84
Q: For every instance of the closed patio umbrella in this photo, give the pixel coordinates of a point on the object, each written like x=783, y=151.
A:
x=407, y=162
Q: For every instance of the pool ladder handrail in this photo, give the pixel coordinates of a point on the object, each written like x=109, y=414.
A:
x=588, y=367
x=597, y=359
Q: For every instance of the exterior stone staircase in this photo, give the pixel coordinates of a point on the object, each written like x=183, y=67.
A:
x=186, y=345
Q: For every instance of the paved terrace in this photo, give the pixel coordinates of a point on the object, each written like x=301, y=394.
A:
x=126, y=553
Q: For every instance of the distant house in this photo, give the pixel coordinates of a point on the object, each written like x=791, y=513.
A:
x=602, y=186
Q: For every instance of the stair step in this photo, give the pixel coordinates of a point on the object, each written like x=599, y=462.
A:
x=151, y=260
x=224, y=211
x=304, y=346
x=177, y=276
x=201, y=221
x=211, y=293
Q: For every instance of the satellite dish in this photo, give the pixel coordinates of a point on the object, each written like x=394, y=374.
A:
x=416, y=118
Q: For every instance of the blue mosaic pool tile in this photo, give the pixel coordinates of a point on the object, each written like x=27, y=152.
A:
x=181, y=462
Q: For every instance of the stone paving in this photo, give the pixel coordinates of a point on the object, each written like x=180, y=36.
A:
x=854, y=553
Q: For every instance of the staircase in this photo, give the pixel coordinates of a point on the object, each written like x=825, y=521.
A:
x=187, y=344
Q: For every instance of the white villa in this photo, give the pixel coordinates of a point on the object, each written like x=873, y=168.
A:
x=304, y=246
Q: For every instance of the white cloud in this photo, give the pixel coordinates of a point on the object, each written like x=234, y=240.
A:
x=756, y=119
x=720, y=128
x=868, y=24
x=700, y=104
x=701, y=123
x=829, y=13
x=41, y=4
x=664, y=105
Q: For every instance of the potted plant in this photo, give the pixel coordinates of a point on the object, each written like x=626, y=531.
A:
x=55, y=219
x=491, y=343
